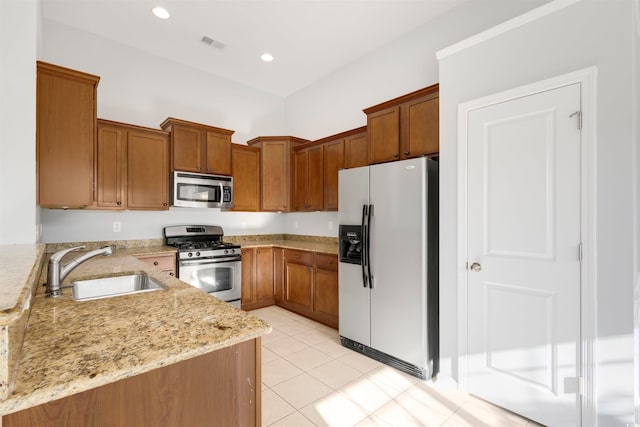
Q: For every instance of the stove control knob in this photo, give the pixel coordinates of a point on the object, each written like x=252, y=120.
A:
x=189, y=254
x=226, y=251
x=233, y=251
x=197, y=253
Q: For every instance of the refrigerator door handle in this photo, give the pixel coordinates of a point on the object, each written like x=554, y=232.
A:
x=368, y=247
x=363, y=260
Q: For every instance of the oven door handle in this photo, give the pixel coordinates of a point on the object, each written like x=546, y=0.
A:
x=204, y=261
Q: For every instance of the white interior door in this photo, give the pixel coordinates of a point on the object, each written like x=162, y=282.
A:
x=523, y=281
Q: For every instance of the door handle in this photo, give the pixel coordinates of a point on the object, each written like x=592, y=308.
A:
x=475, y=267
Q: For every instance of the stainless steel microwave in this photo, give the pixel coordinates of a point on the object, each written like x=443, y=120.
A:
x=196, y=190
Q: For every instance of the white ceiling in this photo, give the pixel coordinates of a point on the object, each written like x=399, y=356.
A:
x=309, y=39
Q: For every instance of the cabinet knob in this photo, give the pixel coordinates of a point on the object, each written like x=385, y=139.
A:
x=171, y=273
x=164, y=204
x=155, y=262
x=119, y=203
x=395, y=155
x=406, y=153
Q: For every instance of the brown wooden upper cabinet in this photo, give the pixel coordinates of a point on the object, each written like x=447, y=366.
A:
x=346, y=149
x=245, y=167
x=199, y=148
x=132, y=167
x=356, y=151
x=404, y=127
x=308, y=173
x=275, y=171
x=65, y=136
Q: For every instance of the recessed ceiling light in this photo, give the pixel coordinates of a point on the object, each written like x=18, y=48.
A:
x=161, y=12
x=266, y=57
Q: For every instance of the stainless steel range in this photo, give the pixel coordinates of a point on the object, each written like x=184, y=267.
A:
x=206, y=262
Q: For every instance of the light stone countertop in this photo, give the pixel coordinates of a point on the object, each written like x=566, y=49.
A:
x=319, y=247
x=73, y=346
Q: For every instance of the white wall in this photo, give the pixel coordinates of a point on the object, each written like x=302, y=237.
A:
x=334, y=104
x=18, y=23
x=87, y=226
x=589, y=33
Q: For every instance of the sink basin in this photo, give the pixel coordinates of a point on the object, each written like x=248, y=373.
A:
x=114, y=286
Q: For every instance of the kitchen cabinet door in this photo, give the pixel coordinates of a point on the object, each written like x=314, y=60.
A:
x=308, y=178
x=65, y=136
x=199, y=148
x=404, y=127
x=333, y=162
x=148, y=170
x=356, y=150
x=257, y=278
x=420, y=126
x=325, y=305
x=299, y=286
x=278, y=275
x=301, y=179
x=218, y=151
x=264, y=276
x=245, y=165
x=384, y=135
x=247, y=297
x=111, y=173
x=187, y=149
x=275, y=171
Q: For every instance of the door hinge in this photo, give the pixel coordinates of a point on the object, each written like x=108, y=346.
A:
x=573, y=385
x=579, y=114
x=580, y=252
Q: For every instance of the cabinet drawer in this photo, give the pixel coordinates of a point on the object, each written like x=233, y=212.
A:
x=300, y=257
x=327, y=262
x=162, y=262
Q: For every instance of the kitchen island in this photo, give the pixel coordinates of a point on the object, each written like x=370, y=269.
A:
x=147, y=355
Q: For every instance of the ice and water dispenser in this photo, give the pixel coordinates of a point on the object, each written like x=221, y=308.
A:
x=351, y=249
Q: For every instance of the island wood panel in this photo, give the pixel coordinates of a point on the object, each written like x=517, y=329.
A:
x=218, y=389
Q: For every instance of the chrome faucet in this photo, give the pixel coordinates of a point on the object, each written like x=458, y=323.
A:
x=57, y=273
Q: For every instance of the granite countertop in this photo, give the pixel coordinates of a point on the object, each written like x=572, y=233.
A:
x=323, y=245
x=73, y=346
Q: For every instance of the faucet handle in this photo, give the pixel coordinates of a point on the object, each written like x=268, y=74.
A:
x=60, y=254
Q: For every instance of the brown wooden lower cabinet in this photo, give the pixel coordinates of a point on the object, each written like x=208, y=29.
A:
x=257, y=278
x=222, y=388
x=310, y=285
x=166, y=262
x=326, y=289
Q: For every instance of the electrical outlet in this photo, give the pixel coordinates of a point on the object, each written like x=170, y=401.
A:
x=117, y=226
x=330, y=225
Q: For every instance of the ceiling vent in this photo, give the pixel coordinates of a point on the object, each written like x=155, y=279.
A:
x=212, y=42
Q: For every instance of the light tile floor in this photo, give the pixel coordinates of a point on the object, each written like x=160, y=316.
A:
x=309, y=379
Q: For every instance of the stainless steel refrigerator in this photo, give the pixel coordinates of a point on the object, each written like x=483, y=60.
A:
x=388, y=269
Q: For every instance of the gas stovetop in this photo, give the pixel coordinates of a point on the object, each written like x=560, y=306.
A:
x=199, y=241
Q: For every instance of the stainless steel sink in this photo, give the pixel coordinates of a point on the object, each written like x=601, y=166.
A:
x=113, y=286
